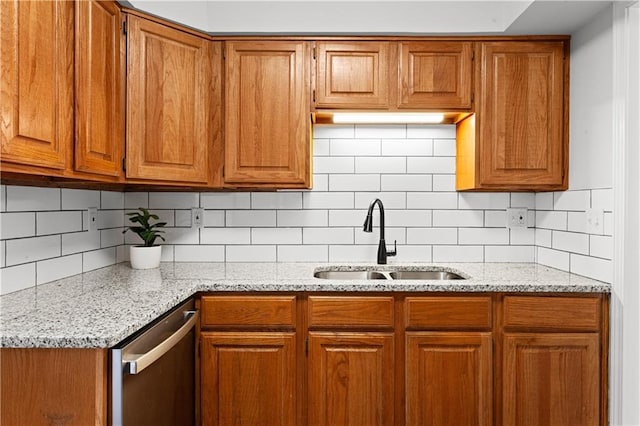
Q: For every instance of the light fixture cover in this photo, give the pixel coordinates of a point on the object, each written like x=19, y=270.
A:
x=387, y=117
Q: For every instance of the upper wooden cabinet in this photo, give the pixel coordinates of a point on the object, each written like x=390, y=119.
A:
x=435, y=74
x=36, y=68
x=267, y=117
x=352, y=74
x=518, y=138
x=169, y=101
x=100, y=78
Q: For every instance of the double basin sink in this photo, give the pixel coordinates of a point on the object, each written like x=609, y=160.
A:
x=399, y=274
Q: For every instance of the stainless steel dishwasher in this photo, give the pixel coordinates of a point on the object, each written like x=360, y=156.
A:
x=153, y=373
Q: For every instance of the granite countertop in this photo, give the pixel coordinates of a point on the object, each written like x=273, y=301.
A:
x=99, y=309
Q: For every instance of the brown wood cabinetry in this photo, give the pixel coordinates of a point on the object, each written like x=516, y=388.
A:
x=36, y=57
x=267, y=117
x=100, y=78
x=518, y=138
x=170, y=98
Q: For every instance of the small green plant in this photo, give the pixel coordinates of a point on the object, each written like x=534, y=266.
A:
x=148, y=232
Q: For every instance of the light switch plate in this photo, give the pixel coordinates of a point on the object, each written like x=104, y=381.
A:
x=595, y=221
x=517, y=217
x=197, y=217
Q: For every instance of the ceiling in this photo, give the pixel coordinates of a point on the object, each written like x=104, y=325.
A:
x=378, y=17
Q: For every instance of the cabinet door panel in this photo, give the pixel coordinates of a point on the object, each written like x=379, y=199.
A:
x=36, y=61
x=551, y=379
x=267, y=132
x=100, y=77
x=351, y=378
x=352, y=75
x=169, y=103
x=448, y=379
x=521, y=114
x=435, y=75
x=248, y=378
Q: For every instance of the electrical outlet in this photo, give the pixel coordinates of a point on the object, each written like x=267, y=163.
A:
x=517, y=218
x=197, y=217
x=92, y=219
x=595, y=221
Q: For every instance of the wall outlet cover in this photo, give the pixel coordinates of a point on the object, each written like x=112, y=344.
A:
x=595, y=221
x=92, y=219
x=197, y=217
x=517, y=217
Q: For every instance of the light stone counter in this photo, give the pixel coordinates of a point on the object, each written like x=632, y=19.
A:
x=98, y=309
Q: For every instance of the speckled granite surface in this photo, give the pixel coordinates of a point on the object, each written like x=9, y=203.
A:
x=103, y=307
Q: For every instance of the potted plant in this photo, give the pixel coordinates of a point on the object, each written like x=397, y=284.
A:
x=145, y=256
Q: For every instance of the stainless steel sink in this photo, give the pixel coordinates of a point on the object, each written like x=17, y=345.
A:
x=425, y=275
x=350, y=275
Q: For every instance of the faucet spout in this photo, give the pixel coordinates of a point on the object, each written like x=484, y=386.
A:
x=383, y=253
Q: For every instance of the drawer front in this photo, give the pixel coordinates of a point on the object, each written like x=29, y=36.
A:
x=448, y=312
x=268, y=311
x=553, y=313
x=356, y=311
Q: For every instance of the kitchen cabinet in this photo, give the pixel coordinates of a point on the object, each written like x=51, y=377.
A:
x=518, y=138
x=351, y=360
x=267, y=116
x=36, y=57
x=99, y=88
x=171, y=96
x=43, y=387
x=449, y=360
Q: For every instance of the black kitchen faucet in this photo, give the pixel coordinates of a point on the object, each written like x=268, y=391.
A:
x=368, y=227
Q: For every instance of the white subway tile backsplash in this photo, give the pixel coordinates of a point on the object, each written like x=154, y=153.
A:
x=79, y=242
x=571, y=200
x=323, y=131
x=212, y=218
x=30, y=198
x=432, y=200
x=444, y=147
x=483, y=236
x=577, y=222
x=168, y=253
x=79, y=199
x=551, y=220
x=122, y=254
x=182, y=219
x=320, y=147
x=199, y=253
x=523, y=199
x=181, y=236
x=543, y=237
x=353, y=253
x=320, y=183
x=32, y=249
x=16, y=278
x=339, y=218
x=496, y=219
x=408, y=218
x=3, y=198
x=391, y=235
x=601, y=246
x=276, y=236
x=407, y=147
x=109, y=237
x=389, y=131
x=509, y=254
x=458, y=218
x=58, y=222
x=444, y=183
x=458, y=254
x=592, y=267
x=381, y=165
x=133, y=200
x=570, y=241
x=602, y=199
x=608, y=224
x=522, y=236
x=251, y=254
x=225, y=200
x=225, y=236
x=276, y=200
x=112, y=219
x=328, y=200
x=243, y=218
x=17, y=225
x=553, y=258
x=362, y=182
x=413, y=254
x=544, y=201
x=391, y=200
x=60, y=267
x=431, y=165
x=302, y=218
x=486, y=201
x=2, y=254
x=112, y=200
x=174, y=200
x=435, y=236
x=406, y=183
x=99, y=259
x=431, y=131
x=332, y=235
x=334, y=165
x=355, y=147
x=315, y=253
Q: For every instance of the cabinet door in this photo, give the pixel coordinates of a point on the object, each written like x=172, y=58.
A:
x=267, y=132
x=36, y=68
x=352, y=75
x=351, y=380
x=169, y=103
x=248, y=378
x=551, y=379
x=449, y=378
x=523, y=123
x=100, y=78
x=435, y=75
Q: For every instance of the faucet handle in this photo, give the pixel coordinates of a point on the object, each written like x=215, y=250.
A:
x=395, y=249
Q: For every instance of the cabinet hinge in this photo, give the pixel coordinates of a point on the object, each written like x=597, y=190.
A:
x=124, y=27
x=124, y=164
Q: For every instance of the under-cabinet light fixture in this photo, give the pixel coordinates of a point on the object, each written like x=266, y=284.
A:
x=387, y=117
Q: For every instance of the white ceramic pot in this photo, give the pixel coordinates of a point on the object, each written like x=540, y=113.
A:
x=145, y=257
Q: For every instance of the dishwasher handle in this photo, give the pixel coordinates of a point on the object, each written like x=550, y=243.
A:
x=142, y=361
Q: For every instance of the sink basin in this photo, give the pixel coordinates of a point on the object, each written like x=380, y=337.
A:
x=350, y=275
x=425, y=275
